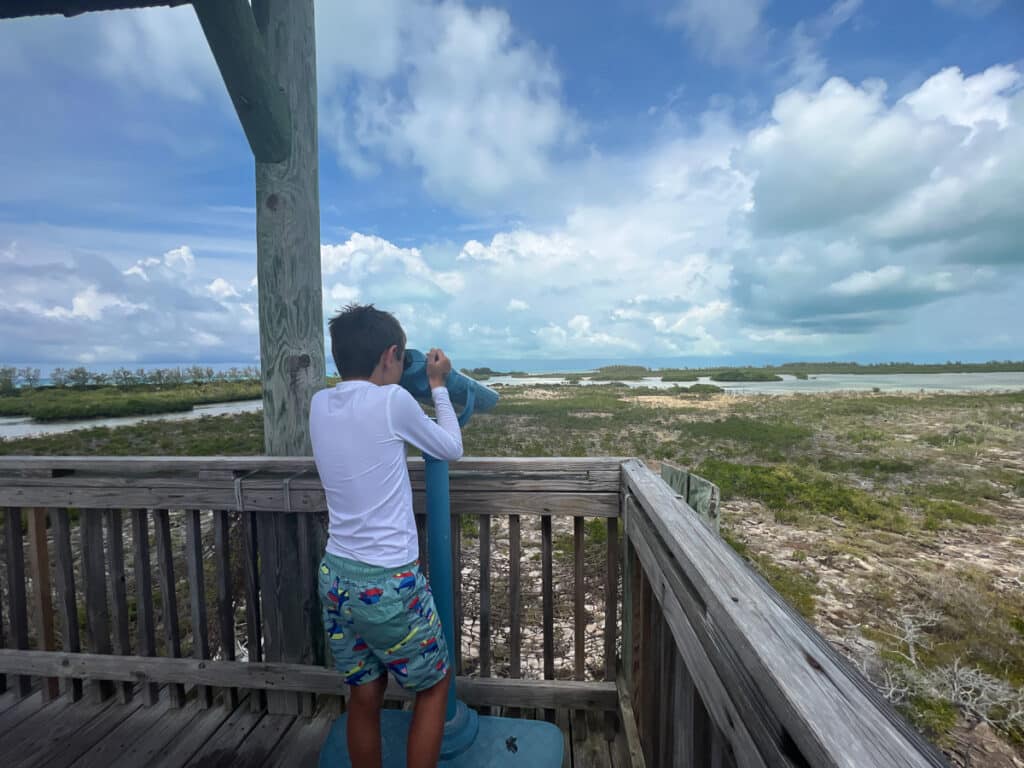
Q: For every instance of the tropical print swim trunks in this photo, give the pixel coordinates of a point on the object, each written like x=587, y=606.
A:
x=381, y=620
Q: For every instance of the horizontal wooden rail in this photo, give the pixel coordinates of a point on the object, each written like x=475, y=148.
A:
x=304, y=678
x=776, y=692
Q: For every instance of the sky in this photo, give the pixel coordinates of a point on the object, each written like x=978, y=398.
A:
x=669, y=182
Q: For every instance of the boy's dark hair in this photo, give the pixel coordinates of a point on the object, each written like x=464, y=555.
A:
x=359, y=335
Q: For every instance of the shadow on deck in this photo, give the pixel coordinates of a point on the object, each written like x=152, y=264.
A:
x=66, y=734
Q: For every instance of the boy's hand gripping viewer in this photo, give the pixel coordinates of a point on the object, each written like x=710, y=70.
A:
x=471, y=395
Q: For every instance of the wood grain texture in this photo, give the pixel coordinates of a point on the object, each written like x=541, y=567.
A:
x=145, y=617
x=18, y=614
x=197, y=596
x=168, y=597
x=64, y=570
x=118, y=593
x=97, y=614
x=42, y=592
x=225, y=598
x=798, y=697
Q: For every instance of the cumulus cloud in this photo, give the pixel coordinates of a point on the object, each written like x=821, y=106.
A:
x=452, y=92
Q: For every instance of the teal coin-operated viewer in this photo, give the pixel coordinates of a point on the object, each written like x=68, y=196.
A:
x=469, y=740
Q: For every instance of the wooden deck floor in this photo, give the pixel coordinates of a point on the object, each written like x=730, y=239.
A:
x=84, y=734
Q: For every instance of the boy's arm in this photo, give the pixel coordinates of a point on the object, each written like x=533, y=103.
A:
x=442, y=440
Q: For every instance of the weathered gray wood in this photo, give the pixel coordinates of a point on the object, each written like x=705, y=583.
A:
x=159, y=493
x=16, y=591
x=144, y=616
x=290, y=306
x=225, y=601
x=611, y=601
x=683, y=694
x=162, y=736
x=253, y=617
x=190, y=741
x=136, y=726
x=548, y=604
x=485, y=596
x=421, y=539
x=221, y=749
x=667, y=733
x=221, y=466
x=514, y=601
x=474, y=691
x=778, y=668
x=714, y=692
x=301, y=744
x=118, y=593
x=12, y=9
x=197, y=596
x=168, y=597
x=59, y=732
x=65, y=583
x=628, y=719
x=261, y=741
x=310, y=599
x=579, y=600
x=42, y=594
x=456, y=537
x=97, y=615
x=3, y=644
x=26, y=707
x=33, y=731
x=241, y=56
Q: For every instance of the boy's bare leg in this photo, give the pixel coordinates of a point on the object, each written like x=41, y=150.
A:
x=427, y=726
x=364, y=722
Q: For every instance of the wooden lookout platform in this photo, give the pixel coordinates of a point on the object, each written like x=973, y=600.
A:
x=134, y=605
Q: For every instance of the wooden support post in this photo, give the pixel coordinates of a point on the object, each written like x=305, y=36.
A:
x=197, y=597
x=548, y=604
x=42, y=595
x=241, y=56
x=291, y=318
x=168, y=597
x=514, y=599
x=225, y=602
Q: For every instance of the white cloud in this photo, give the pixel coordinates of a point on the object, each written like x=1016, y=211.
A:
x=180, y=259
x=861, y=283
x=966, y=101
x=221, y=288
x=476, y=110
x=91, y=304
x=718, y=29
x=517, y=305
x=343, y=294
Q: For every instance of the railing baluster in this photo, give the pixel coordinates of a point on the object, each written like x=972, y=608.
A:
x=145, y=622
x=514, y=598
x=579, y=603
x=485, y=600
x=65, y=582
x=457, y=589
x=253, y=620
x=168, y=597
x=225, y=604
x=16, y=591
x=611, y=601
x=3, y=644
x=197, y=597
x=310, y=598
x=39, y=565
x=118, y=594
x=548, y=605
x=94, y=569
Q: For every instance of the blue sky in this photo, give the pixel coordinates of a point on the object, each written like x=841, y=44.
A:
x=664, y=181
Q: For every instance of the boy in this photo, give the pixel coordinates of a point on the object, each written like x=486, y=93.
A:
x=378, y=612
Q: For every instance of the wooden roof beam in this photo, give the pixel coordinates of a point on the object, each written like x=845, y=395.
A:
x=241, y=55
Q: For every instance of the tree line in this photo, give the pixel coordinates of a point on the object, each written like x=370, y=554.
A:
x=13, y=379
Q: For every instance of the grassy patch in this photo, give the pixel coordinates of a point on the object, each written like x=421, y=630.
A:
x=759, y=435
x=105, y=402
x=938, y=513
x=875, y=466
x=794, y=493
x=934, y=717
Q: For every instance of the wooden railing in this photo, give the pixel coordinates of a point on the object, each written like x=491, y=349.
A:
x=181, y=621
x=718, y=670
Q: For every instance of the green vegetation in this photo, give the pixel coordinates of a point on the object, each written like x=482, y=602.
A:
x=620, y=373
x=938, y=513
x=745, y=374
x=796, y=494
x=107, y=401
x=676, y=374
x=993, y=366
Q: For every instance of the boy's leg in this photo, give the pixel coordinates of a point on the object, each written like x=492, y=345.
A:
x=427, y=726
x=364, y=705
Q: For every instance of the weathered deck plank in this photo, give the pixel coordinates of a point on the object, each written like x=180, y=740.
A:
x=87, y=734
x=25, y=708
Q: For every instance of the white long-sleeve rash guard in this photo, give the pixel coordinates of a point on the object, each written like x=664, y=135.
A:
x=359, y=431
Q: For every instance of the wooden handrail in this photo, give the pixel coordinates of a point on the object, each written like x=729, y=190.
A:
x=721, y=651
